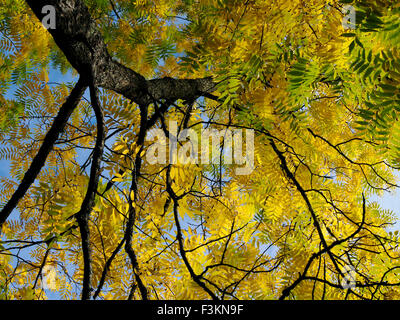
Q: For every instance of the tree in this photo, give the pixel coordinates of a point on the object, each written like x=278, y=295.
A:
x=312, y=98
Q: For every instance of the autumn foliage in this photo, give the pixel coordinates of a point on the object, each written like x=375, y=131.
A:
x=322, y=99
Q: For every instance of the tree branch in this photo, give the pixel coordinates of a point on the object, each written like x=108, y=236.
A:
x=88, y=202
x=39, y=160
x=77, y=35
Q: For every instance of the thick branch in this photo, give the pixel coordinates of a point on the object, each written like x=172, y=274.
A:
x=88, y=201
x=58, y=126
x=77, y=35
x=132, y=210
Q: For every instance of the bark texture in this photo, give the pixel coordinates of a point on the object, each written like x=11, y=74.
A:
x=77, y=35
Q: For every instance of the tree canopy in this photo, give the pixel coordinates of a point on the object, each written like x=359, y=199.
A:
x=199, y=149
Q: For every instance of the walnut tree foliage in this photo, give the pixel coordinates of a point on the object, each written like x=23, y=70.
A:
x=80, y=197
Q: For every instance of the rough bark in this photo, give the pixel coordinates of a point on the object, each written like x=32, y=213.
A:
x=77, y=35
